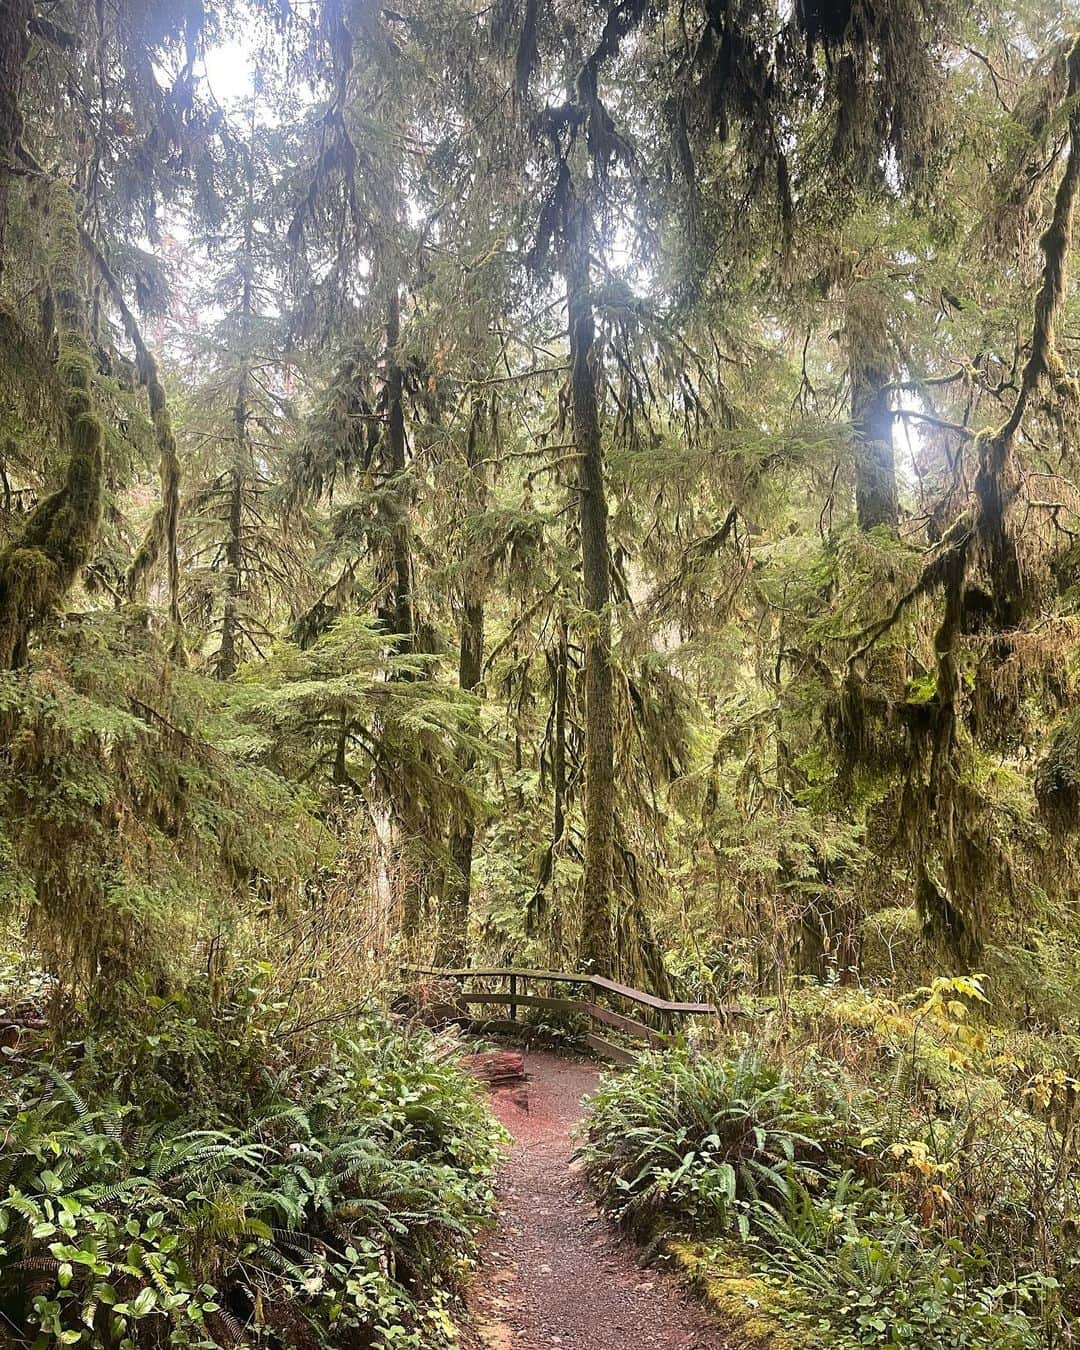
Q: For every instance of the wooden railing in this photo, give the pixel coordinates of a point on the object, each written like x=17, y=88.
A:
x=655, y=1020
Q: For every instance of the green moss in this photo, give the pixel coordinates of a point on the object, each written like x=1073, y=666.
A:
x=62, y=529
x=1057, y=780
x=746, y=1300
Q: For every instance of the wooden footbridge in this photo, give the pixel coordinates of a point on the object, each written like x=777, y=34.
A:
x=600, y=1002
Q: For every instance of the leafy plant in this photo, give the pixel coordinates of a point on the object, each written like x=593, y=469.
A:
x=329, y=1202
x=700, y=1136
x=703, y=1144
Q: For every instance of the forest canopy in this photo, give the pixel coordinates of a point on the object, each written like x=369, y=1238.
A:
x=584, y=485
x=612, y=462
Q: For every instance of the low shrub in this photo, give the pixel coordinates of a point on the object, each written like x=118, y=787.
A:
x=889, y=1239
x=700, y=1136
x=319, y=1201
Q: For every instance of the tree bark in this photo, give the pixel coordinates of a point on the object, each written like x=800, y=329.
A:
x=398, y=612
x=15, y=18
x=596, y=939
x=875, y=464
x=541, y=905
x=228, y=653
x=454, y=937
x=402, y=607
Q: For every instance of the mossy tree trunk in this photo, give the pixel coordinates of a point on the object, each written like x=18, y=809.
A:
x=15, y=18
x=397, y=610
x=40, y=566
x=457, y=899
x=596, y=938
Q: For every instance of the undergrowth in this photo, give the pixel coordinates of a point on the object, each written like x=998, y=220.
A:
x=920, y=1188
x=196, y=1187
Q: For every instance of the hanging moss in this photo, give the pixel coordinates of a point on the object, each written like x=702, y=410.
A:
x=1057, y=780
x=39, y=567
x=162, y=531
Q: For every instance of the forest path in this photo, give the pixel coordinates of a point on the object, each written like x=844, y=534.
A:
x=554, y=1271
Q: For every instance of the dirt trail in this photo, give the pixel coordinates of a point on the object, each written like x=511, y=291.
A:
x=554, y=1271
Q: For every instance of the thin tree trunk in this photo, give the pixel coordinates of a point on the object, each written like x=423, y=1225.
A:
x=398, y=613
x=228, y=653
x=454, y=938
x=596, y=944
x=402, y=607
x=875, y=465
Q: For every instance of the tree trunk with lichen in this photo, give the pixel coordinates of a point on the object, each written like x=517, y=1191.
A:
x=15, y=18
x=397, y=610
x=400, y=610
x=228, y=659
x=39, y=567
x=596, y=938
x=454, y=924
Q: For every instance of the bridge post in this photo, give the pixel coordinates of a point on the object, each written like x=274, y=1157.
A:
x=513, y=994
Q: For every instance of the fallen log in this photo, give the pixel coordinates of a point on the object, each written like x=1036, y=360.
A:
x=496, y=1067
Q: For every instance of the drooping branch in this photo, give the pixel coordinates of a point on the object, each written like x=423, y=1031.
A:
x=998, y=478
x=1044, y=363
x=162, y=531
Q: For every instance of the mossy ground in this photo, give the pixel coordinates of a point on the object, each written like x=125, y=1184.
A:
x=755, y=1306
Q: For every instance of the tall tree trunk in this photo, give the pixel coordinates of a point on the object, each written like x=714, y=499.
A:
x=454, y=937
x=43, y=562
x=596, y=943
x=15, y=18
x=402, y=606
x=542, y=905
x=398, y=613
x=228, y=653
x=875, y=465
x=231, y=635
x=827, y=928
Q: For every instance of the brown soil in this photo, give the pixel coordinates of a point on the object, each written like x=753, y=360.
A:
x=554, y=1271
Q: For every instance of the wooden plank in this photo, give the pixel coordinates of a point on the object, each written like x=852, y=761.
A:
x=567, y=977
x=650, y=1000
x=625, y=1024
x=570, y=1005
x=609, y=1050
x=482, y=973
